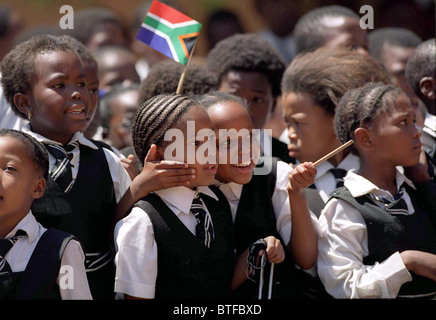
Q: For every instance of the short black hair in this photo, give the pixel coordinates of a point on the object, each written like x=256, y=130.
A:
x=18, y=66
x=207, y=100
x=164, y=77
x=81, y=50
x=105, y=101
x=154, y=117
x=247, y=52
x=421, y=63
x=361, y=106
x=36, y=150
x=310, y=31
x=326, y=74
x=400, y=37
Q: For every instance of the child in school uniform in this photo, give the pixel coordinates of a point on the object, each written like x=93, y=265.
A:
x=261, y=203
x=175, y=242
x=312, y=86
x=250, y=67
x=35, y=263
x=44, y=82
x=378, y=231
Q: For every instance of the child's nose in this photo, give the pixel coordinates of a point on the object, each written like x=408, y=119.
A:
x=76, y=95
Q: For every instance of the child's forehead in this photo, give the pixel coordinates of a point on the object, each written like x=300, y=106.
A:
x=253, y=80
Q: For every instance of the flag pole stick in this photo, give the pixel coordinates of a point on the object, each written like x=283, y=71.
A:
x=331, y=154
x=182, y=76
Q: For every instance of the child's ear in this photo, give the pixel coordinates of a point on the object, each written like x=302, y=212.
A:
x=39, y=188
x=363, y=138
x=427, y=85
x=21, y=101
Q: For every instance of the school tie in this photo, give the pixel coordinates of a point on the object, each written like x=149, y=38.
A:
x=204, y=228
x=5, y=246
x=339, y=176
x=398, y=205
x=61, y=171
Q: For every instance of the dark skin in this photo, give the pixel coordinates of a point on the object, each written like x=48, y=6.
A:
x=378, y=145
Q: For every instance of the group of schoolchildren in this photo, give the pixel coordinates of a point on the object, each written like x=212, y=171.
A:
x=129, y=223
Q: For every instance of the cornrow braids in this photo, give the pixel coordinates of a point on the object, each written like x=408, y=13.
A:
x=155, y=117
x=210, y=99
x=361, y=106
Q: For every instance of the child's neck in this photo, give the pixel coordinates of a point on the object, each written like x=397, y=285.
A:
x=382, y=175
x=64, y=139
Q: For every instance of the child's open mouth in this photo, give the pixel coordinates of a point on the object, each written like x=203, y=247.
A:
x=210, y=168
x=244, y=167
x=78, y=113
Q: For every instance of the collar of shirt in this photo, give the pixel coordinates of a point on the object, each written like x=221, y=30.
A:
x=27, y=224
x=180, y=198
x=351, y=161
x=360, y=186
x=78, y=136
x=231, y=190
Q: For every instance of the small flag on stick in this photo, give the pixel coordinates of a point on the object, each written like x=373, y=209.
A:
x=169, y=32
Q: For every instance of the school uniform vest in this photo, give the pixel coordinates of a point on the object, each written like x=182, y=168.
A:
x=87, y=212
x=388, y=234
x=38, y=281
x=187, y=269
x=255, y=219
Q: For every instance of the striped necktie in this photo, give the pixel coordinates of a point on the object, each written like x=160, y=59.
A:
x=204, y=228
x=5, y=246
x=61, y=171
x=339, y=176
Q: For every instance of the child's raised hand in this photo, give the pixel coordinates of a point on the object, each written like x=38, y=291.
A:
x=301, y=177
x=274, y=250
x=158, y=175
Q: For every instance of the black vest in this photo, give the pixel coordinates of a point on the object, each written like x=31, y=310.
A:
x=255, y=219
x=38, y=281
x=87, y=212
x=388, y=234
x=187, y=269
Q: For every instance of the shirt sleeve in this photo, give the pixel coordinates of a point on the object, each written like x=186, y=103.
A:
x=136, y=257
x=120, y=177
x=342, y=245
x=72, y=280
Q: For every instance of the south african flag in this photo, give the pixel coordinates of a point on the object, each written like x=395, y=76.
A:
x=169, y=32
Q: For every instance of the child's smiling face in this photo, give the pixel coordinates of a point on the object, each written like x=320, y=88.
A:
x=58, y=98
x=235, y=163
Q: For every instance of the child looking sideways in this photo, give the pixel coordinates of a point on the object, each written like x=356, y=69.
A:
x=30, y=267
x=378, y=231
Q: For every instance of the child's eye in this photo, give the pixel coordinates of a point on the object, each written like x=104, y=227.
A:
x=93, y=91
x=403, y=122
x=81, y=84
x=258, y=100
x=10, y=168
x=59, y=86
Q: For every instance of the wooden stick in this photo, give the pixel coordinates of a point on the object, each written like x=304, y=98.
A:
x=331, y=154
x=182, y=76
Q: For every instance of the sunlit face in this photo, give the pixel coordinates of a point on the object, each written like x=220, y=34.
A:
x=395, y=136
x=20, y=181
x=58, y=98
x=310, y=127
x=235, y=159
x=117, y=67
x=255, y=88
x=195, y=141
x=346, y=32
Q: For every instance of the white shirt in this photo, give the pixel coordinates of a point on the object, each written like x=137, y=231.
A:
x=280, y=200
x=343, y=244
x=430, y=124
x=120, y=177
x=325, y=181
x=19, y=255
x=137, y=251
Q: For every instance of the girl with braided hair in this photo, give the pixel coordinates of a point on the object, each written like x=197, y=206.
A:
x=176, y=242
x=378, y=231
